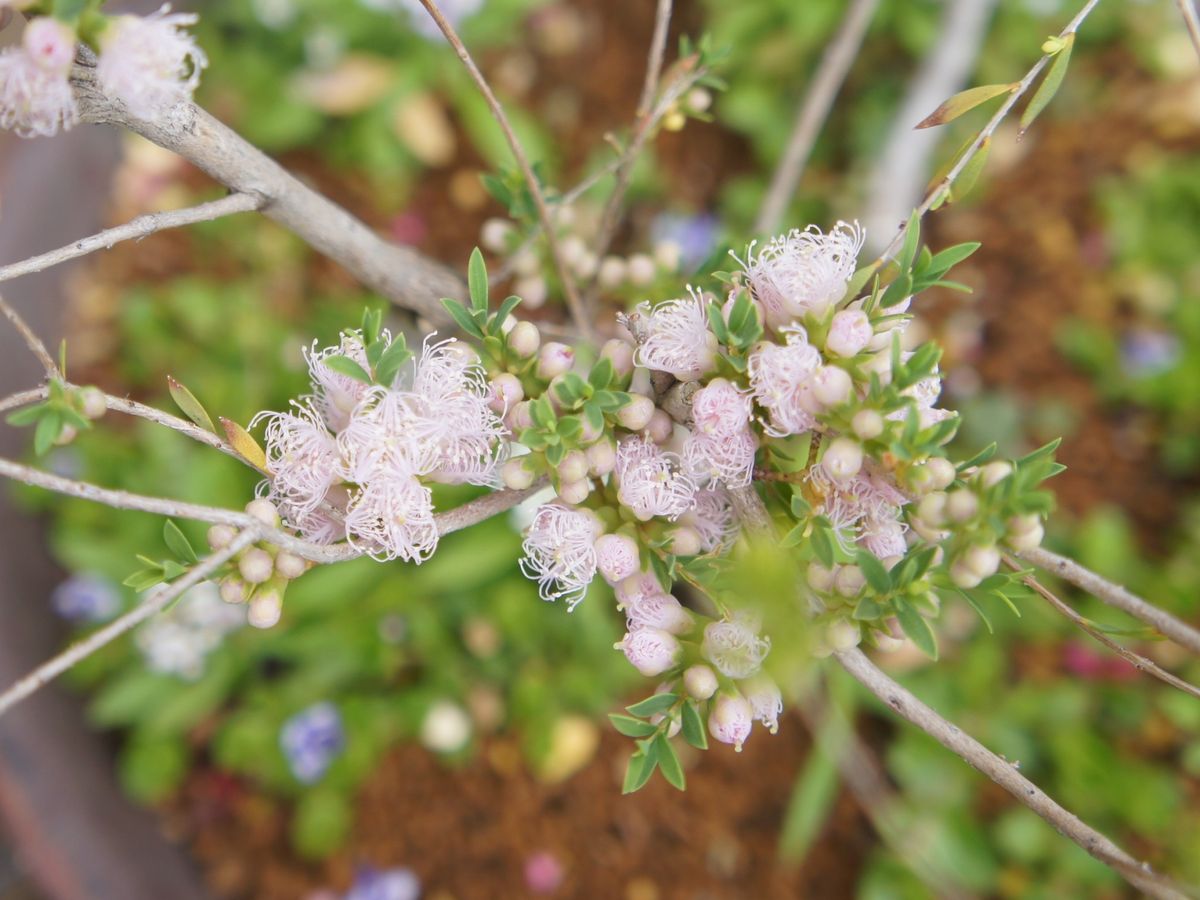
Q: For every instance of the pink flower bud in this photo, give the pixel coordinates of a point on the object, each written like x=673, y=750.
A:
x=264, y=511
x=612, y=272
x=532, y=290
x=963, y=576
x=994, y=472
x=635, y=415
x=662, y=612
x=233, y=590
x=516, y=475
x=289, y=565
x=881, y=365
x=660, y=427
x=519, y=417
x=961, y=505
x=574, y=466
x=849, y=581
x=256, y=566
x=641, y=269
x=867, y=424
x=820, y=578
x=941, y=472
x=265, y=609
x=981, y=560
x=700, y=681
x=1026, y=540
x=849, y=333
x=636, y=588
x=574, y=492
x=620, y=354
x=685, y=541
x=221, y=536
x=50, y=43
x=554, y=359
x=843, y=460
x=601, y=457
x=589, y=432
x=932, y=509
x=731, y=719
x=616, y=557
x=842, y=635
x=495, y=233
x=506, y=392
x=92, y=403
x=651, y=651
x=831, y=385
x=524, y=339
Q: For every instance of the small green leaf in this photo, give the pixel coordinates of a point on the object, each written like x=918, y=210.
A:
x=945, y=260
x=638, y=771
x=822, y=545
x=602, y=374
x=510, y=303
x=1049, y=86
x=963, y=102
x=668, y=763
x=178, y=543
x=917, y=629
x=912, y=238
x=393, y=358
x=49, y=427
x=653, y=705
x=877, y=576
x=463, y=318
x=344, y=365
x=477, y=283
x=372, y=323
x=143, y=579
x=631, y=727
x=693, y=726
x=975, y=606
x=970, y=173
x=27, y=416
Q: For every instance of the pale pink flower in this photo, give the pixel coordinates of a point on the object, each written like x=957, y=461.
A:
x=650, y=650
x=338, y=395
x=720, y=409
x=50, y=43
x=866, y=508
x=726, y=459
x=651, y=482
x=150, y=62
x=634, y=589
x=319, y=526
x=803, y=271
x=302, y=457
x=616, y=557
x=765, y=699
x=734, y=647
x=779, y=379
x=35, y=93
x=660, y=611
x=849, y=333
x=713, y=517
x=677, y=339
x=393, y=518
x=731, y=720
x=560, y=553
x=390, y=431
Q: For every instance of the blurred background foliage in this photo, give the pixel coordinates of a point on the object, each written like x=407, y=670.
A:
x=374, y=111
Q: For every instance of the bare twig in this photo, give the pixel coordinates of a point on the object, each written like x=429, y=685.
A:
x=574, y=303
x=1114, y=595
x=1188, y=9
x=137, y=229
x=1137, y=873
x=1139, y=662
x=155, y=602
x=935, y=192
x=398, y=273
x=654, y=62
x=814, y=109
x=32, y=341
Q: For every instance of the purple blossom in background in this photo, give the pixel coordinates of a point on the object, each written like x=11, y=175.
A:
x=86, y=598
x=543, y=873
x=696, y=236
x=1145, y=353
x=385, y=884
x=311, y=740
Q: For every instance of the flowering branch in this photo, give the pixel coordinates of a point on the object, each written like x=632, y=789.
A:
x=1139, y=662
x=141, y=227
x=1114, y=595
x=575, y=304
x=814, y=109
x=1004, y=773
x=155, y=602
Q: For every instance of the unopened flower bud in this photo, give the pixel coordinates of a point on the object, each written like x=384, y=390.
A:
x=264, y=511
x=867, y=424
x=932, y=509
x=668, y=255
x=1027, y=540
x=221, y=536
x=731, y=719
x=849, y=333
x=532, y=291
x=265, y=609
x=886, y=642
x=620, y=354
x=574, y=466
x=574, y=492
x=673, y=727
x=651, y=651
x=700, y=681
x=685, y=541
x=698, y=99
x=526, y=262
x=849, y=580
x=963, y=576
x=289, y=565
x=660, y=611
x=256, y=566
x=66, y=434
x=516, y=475
x=612, y=272
x=635, y=415
x=675, y=120
x=601, y=457
x=506, y=392
x=843, y=635
x=660, y=427
x=941, y=472
x=92, y=403
x=617, y=557
x=843, y=459
x=641, y=270
x=495, y=233
x=961, y=505
x=571, y=249
x=820, y=578
x=554, y=359
x=994, y=472
x=832, y=385
x=233, y=590
x=880, y=365
x=981, y=560
x=50, y=43
x=519, y=417
x=524, y=339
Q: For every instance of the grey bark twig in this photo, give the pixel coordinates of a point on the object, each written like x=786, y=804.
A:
x=32, y=341
x=654, y=62
x=138, y=228
x=1188, y=9
x=814, y=110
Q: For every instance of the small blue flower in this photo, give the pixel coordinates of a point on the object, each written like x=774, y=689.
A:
x=86, y=598
x=696, y=236
x=386, y=884
x=1145, y=353
x=311, y=740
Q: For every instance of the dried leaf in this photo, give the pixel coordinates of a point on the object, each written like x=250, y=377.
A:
x=963, y=102
x=244, y=445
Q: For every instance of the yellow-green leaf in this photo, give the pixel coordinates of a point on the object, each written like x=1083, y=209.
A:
x=970, y=174
x=189, y=405
x=1049, y=86
x=964, y=101
x=244, y=445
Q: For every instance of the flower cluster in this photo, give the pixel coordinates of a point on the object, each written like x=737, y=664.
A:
x=146, y=62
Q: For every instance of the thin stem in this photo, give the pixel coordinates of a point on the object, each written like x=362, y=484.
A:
x=138, y=228
x=1141, y=663
x=814, y=109
x=32, y=341
x=1114, y=595
x=935, y=192
x=1004, y=773
x=1188, y=9
x=155, y=602
x=574, y=303
x=654, y=61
